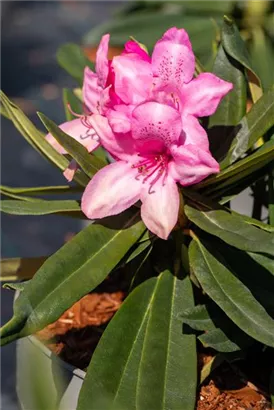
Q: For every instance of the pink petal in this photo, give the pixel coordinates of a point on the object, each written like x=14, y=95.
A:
x=156, y=121
x=70, y=170
x=203, y=94
x=194, y=133
x=78, y=131
x=91, y=90
x=132, y=47
x=120, y=118
x=191, y=164
x=178, y=36
x=102, y=66
x=118, y=145
x=173, y=60
x=112, y=190
x=133, y=78
x=160, y=207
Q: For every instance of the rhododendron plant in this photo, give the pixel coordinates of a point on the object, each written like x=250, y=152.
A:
x=145, y=111
x=155, y=177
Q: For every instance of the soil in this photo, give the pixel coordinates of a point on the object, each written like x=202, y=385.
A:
x=74, y=337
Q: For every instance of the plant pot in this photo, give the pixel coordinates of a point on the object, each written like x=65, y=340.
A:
x=64, y=394
x=39, y=368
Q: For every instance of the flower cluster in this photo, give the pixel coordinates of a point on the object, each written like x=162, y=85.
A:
x=144, y=111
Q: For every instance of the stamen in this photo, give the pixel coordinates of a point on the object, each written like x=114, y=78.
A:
x=158, y=166
x=73, y=112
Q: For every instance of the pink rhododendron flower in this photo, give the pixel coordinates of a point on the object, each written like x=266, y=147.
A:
x=145, y=112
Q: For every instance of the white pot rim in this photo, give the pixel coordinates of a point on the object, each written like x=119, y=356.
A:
x=52, y=356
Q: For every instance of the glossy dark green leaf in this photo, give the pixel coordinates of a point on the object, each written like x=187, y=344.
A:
x=233, y=106
x=265, y=261
x=143, y=359
x=37, y=139
x=221, y=333
x=149, y=27
x=41, y=190
x=254, y=125
x=232, y=229
x=255, y=222
x=236, y=48
x=71, y=104
x=229, y=293
x=238, y=171
x=39, y=207
x=88, y=162
x=71, y=57
x=81, y=265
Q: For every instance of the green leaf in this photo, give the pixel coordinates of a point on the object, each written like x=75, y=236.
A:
x=71, y=57
x=254, y=125
x=231, y=229
x=230, y=294
x=238, y=171
x=233, y=106
x=143, y=360
x=43, y=190
x=221, y=333
x=36, y=138
x=271, y=193
x=208, y=368
x=262, y=56
x=81, y=264
x=20, y=268
x=39, y=207
x=71, y=101
x=236, y=48
x=88, y=162
x=149, y=27
x=255, y=222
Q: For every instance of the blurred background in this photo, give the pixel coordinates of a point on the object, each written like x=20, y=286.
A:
x=32, y=32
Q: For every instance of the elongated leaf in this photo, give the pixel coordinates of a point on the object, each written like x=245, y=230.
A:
x=236, y=48
x=81, y=265
x=238, y=171
x=146, y=330
x=232, y=229
x=171, y=353
x=208, y=368
x=233, y=106
x=39, y=207
x=20, y=268
x=71, y=57
x=41, y=190
x=230, y=294
x=271, y=194
x=149, y=27
x=221, y=333
x=254, y=125
x=255, y=222
x=262, y=56
x=89, y=163
x=71, y=103
x=141, y=247
x=37, y=139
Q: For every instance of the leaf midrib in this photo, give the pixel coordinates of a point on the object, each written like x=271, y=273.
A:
x=83, y=265
x=229, y=298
